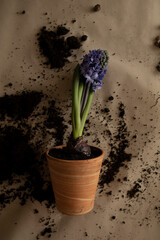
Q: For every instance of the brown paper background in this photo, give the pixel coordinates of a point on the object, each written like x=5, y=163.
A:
x=126, y=28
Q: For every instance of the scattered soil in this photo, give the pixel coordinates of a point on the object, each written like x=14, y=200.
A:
x=55, y=121
x=117, y=156
x=55, y=47
x=97, y=7
x=157, y=44
x=23, y=12
x=19, y=106
x=111, y=98
x=109, y=193
x=20, y=166
x=16, y=155
x=23, y=167
x=134, y=190
x=65, y=154
x=158, y=67
x=84, y=38
x=105, y=110
x=45, y=231
x=36, y=211
x=73, y=42
x=9, y=85
x=62, y=30
x=157, y=41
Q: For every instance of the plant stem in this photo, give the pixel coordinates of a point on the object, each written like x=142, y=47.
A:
x=86, y=110
x=85, y=96
x=76, y=98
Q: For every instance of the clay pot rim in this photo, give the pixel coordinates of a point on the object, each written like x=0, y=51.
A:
x=78, y=161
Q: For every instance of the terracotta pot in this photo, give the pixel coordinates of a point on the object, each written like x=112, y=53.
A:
x=74, y=183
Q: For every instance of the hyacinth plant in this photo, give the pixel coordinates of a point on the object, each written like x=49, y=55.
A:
x=87, y=79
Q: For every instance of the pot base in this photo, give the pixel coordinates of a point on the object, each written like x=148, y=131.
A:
x=74, y=213
x=73, y=206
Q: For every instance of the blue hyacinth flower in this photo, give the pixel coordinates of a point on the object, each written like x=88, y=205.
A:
x=94, y=67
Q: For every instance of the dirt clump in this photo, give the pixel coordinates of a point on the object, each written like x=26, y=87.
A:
x=56, y=47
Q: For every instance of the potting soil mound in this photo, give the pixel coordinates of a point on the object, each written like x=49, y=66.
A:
x=23, y=167
x=57, y=48
x=16, y=155
x=19, y=106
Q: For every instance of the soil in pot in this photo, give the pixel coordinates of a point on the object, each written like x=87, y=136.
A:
x=67, y=154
